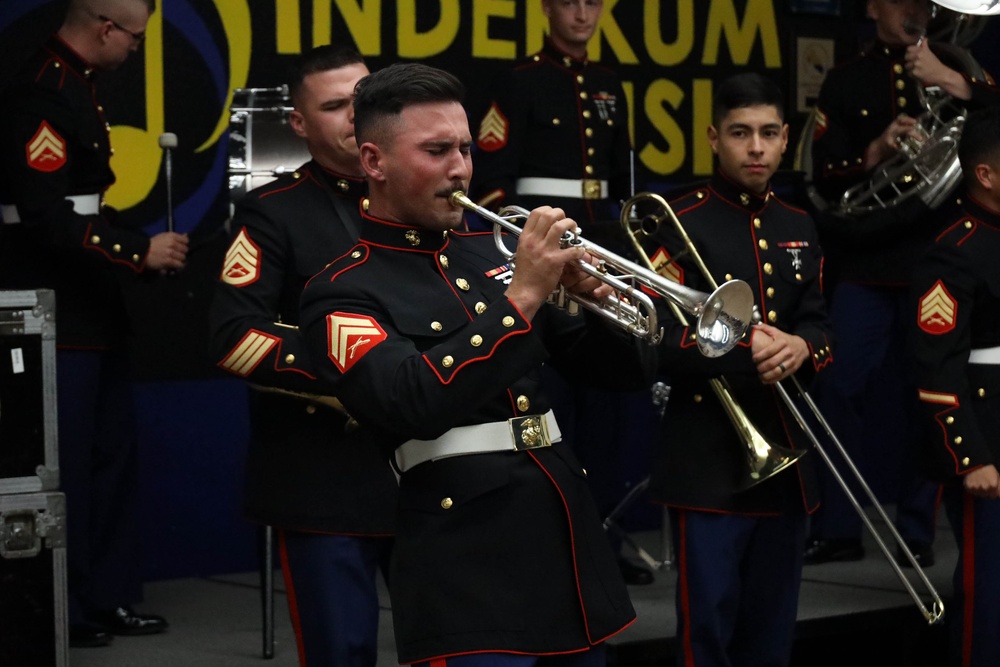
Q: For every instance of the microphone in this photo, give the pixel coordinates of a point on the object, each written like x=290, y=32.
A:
x=168, y=142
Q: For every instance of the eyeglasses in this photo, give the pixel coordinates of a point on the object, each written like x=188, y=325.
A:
x=139, y=37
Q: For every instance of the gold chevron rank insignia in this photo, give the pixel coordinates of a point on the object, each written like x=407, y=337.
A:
x=493, y=130
x=351, y=337
x=662, y=265
x=248, y=353
x=242, y=263
x=938, y=309
x=46, y=151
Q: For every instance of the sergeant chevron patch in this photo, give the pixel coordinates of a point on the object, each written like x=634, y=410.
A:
x=351, y=337
x=242, y=263
x=493, y=130
x=938, y=309
x=46, y=151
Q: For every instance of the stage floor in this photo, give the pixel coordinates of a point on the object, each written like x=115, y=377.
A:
x=849, y=613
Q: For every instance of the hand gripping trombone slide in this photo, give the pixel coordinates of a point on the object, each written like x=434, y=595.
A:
x=772, y=461
x=723, y=316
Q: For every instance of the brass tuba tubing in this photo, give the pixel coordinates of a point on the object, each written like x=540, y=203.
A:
x=936, y=612
x=723, y=316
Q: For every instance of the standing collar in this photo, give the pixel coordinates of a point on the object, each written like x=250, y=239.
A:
x=353, y=187
x=398, y=236
x=736, y=194
x=558, y=55
x=978, y=210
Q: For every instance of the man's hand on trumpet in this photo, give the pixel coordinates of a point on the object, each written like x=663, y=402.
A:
x=776, y=353
x=542, y=263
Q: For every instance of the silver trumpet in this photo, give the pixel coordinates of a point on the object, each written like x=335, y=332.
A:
x=723, y=316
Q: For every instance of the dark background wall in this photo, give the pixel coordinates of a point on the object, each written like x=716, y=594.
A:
x=670, y=53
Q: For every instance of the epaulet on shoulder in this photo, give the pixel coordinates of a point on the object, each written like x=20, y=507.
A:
x=958, y=231
x=529, y=61
x=691, y=198
x=283, y=182
x=357, y=255
x=51, y=74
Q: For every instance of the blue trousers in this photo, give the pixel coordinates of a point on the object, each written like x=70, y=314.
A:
x=333, y=596
x=870, y=401
x=737, y=587
x=974, y=615
x=98, y=472
x=595, y=657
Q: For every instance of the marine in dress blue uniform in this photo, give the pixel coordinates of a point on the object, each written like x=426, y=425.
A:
x=54, y=169
x=955, y=322
x=868, y=397
x=323, y=485
x=739, y=553
x=498, y=551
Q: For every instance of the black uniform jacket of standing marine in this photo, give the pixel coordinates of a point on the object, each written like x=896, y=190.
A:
x=554, y=116
x=858, y=100
x=53, y=145
x=701, y=463
x=495, y=551
x=306, y=468
x=957, y=295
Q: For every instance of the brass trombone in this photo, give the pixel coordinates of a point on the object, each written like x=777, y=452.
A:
x=723, y=316
x=647, y=227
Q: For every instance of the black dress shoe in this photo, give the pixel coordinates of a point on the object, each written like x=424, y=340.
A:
x=634, y=575
x=922, y=553
x=88, y=635
x=124, y=621
x=828, y=551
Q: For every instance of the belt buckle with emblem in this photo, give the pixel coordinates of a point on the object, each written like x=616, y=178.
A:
x=591, y=188
x=529, y=432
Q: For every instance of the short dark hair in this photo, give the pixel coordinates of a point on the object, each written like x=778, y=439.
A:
x=381, y=96
x=748, y=89
x=980, y=142
x=320, y=59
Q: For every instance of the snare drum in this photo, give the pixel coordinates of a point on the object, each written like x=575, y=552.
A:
x=262, y=144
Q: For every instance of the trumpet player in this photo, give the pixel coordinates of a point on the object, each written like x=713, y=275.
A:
x=739, y=549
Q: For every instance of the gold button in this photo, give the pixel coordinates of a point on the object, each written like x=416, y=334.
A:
x=584, y=470
x=590, y=151
x=965, y=461
x=700, y=195
x=693, y=337
x=768, y=269
x=296, y=175
x=900, y=84
x=117, y=247
x=897, y=68
x=586, y=113
x=463, y=284
x=763, y=244
x=436, y=326
x=901, y=101
x=697, y=398
x=772, y=317
x=770, y=292
x=589, y=132
x=567, y=61
x=508, y=321
x=95, y=239
x=480, y=308
x=949, y=420
x=136, y=258
x=958, y=440
x=589, y=169
x=555, y=121
x=756, y=223
x=864, y=112
x=579, y=78
x=356, y=254
x=611, y=122
x=96, y=145
x=981, y=392
x=476, y=340
x=289, y=358
x=968, y=224
x=583, y=94
x=444, y=261
x=729, y=276
x=310, y=409
x=523, y=403
x=365, y=203
x=798, y=276
x=446, y=503
x=448, y=361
